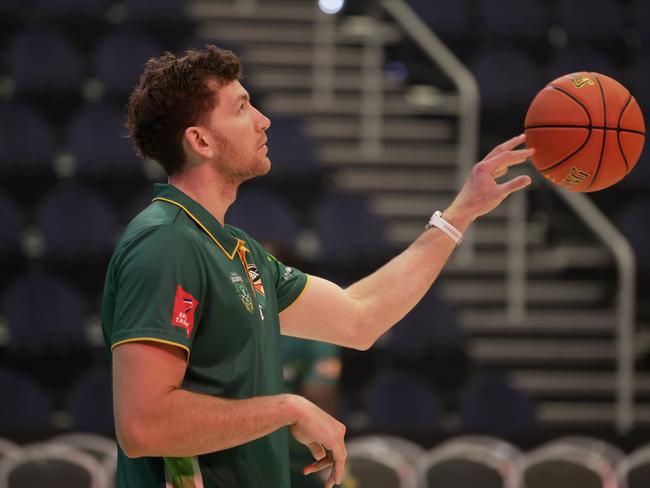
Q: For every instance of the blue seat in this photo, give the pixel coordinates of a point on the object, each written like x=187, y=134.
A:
x=12, y=258
x=119, y=60
x=515, y=19
x=44, y=312
x=580, y=58
x=590, y=19
x=428, y=341
x=491, y=406
x=166, y=10
x=266, y=217
x=90, y=403
x=100, y=144
x=432, y=322
x=60, y=67
x=494, y=70
x=11, y=231
x=25, y=407
x=291, y=150
x=639, y=73
x=76, y=224
x=72, y=9
x=640, y=11
x=444, y=18
x=20, y=123
x=348, y=230
x=398, y=401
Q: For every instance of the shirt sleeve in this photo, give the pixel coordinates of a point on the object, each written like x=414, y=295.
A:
x=160, y=289
x=289, y=284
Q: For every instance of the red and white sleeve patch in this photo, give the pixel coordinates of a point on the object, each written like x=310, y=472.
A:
x=184, y=307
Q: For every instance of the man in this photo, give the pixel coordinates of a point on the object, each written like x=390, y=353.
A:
x=193, y=308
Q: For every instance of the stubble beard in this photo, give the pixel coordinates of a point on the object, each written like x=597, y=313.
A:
x=235, y=166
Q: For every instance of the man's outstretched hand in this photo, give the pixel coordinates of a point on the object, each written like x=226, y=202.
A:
x=481, y=192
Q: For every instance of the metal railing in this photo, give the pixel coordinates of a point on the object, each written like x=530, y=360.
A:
x=625, y=301
x=469, y=99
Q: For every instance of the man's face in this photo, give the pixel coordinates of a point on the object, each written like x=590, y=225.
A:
x=239, y=131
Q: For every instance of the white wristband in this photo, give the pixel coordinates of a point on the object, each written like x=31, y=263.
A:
x=438, y=222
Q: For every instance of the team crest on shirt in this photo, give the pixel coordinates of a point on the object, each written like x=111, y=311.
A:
x=184, y=307
x=242, y=291
x=256, y=279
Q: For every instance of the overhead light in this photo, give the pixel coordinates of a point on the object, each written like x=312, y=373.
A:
x=331, y=6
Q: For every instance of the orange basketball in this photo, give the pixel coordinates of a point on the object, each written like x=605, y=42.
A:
x=587, y=131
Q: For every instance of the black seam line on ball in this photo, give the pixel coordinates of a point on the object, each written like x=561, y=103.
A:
x=602, y=146
x=578, y=126
x=618, y=134
x=570, y=155
x=575, y=99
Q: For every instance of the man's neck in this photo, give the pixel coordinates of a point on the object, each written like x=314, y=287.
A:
x=208, y=188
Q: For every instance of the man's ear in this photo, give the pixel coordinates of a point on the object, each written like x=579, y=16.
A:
x=198, y=140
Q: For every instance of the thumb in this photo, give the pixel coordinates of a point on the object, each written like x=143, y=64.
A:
x=515, y=184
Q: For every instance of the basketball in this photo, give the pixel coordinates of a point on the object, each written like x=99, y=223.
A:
x=587, y=130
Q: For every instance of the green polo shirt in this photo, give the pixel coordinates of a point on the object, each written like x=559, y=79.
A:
x=178, y=277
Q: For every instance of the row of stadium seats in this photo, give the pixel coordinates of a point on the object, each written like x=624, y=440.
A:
x=93, y=145
x=532, y=19
x=397, y=401
x=489, y=462
x=84, y=460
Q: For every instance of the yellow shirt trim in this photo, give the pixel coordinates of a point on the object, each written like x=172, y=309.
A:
x=299, y=296
x=239, y=241
x=153, y=339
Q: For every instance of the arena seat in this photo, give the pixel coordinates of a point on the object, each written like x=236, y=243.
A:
x=470, y=462
x=52, y=465
x=491, y=406
x=100, y=145
x=572, y=462
x=399, y=401
x=90, y=403
x=598, y=19
x=579, y=58
x=634, y=470
x=43, y=312
x=358, y=236
x=493, y=69
x=25, y=408
x=444, y=18
x=79, y=230
x=266, y=216
x=119, y=58
x=60, y=67
x=515, y=19
x=380, y=460
x=103, y=449
x=638, y=75
x=12, y=257
x=66, y=9
x=290, y=149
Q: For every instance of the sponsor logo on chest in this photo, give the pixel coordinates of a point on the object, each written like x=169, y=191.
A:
x=242, y=291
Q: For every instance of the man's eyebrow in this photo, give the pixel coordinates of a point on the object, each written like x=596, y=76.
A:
x=243, y=97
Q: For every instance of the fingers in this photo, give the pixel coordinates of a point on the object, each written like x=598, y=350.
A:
x=507, y=146
x=515, y=184
x=506, y=159
x=323, y=462
x=317, y=450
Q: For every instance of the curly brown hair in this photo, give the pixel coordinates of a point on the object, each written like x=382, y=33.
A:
x=173, y=94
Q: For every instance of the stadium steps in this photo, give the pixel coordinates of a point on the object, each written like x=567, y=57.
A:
x=562, y=352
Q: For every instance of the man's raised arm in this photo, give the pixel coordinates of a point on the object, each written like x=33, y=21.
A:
x=358, y=315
